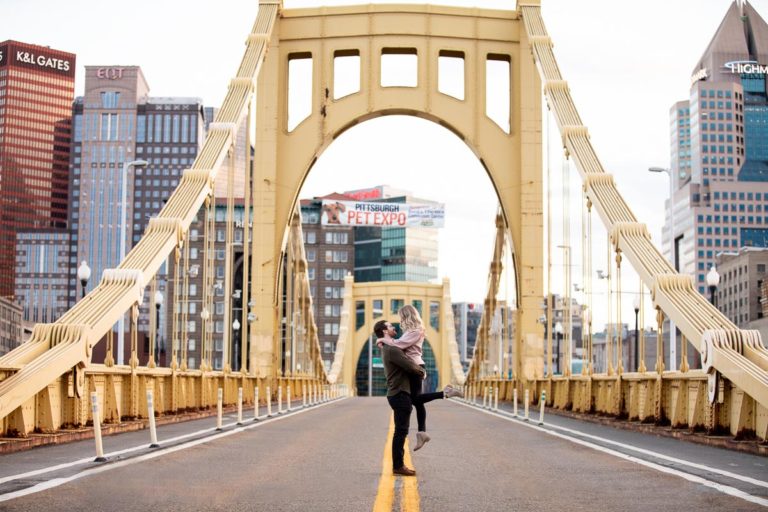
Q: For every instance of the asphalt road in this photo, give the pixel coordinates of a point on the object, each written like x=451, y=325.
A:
x=333, y=457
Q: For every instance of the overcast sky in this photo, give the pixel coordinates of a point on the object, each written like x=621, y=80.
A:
x=626, y=64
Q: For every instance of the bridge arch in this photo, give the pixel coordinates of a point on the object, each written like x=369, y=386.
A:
x=511, y=158
x=367, y=303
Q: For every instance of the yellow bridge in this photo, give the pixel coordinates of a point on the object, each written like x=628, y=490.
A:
x=46, y=382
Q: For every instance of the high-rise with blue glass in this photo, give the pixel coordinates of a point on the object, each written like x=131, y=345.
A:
x=719, y=149
x=391, y=253
x=122, y=137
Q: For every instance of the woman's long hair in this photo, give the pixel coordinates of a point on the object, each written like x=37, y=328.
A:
x=410, y=319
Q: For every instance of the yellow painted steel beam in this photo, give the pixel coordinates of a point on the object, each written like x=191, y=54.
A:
x=47, y=357
x=698, y=320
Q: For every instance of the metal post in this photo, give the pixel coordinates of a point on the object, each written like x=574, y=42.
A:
x=288, y=397
x=303, y=394
x=543, y=401
x=527, y=399
x=151, y=417
x=219, y=409
x=269, y=402
x=240, y=406
x=496, y=398
x=514, y=403
x=255, y=403
x=157, y=332
x=97, y=428
x=123, y=200
x=673, y=252
x=279, y=399
x=123, y=228
x=637, y=342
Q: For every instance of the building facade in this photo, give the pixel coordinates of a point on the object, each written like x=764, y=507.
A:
x=10, y=325
x=393, y=254
x=330, y=252
x=36, y=91
x=742, y=277
x=104, y=140
x=719, y=151
x=466, y=319
x=129, y=153
x=42, y=263
x=191, y=302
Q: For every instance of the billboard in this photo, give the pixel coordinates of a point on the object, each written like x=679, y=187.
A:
x=385, y=215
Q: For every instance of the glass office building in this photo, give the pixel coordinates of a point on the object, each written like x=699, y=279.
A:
x=37, y=85
x=116, y=122
x=719, y=149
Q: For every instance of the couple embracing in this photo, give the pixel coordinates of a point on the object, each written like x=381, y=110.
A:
x=405, y=370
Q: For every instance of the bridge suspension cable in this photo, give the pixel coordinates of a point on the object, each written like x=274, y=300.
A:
x=738, y=354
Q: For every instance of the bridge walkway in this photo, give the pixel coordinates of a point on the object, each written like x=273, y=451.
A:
x=331, y=457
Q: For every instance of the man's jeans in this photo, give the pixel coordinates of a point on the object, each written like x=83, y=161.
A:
x=401, y=404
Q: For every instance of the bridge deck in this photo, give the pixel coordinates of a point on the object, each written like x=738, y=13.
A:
x=331, y=458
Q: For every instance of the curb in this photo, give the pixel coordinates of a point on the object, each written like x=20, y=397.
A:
x=753, y=447
x=12, y=444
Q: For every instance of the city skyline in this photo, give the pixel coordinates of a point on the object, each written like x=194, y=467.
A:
x=599, y=75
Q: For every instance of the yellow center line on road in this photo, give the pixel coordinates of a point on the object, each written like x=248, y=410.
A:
x=386, y=493
x=385, y=497
x=409, y=501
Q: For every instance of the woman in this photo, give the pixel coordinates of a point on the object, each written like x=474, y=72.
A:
x=412, y=343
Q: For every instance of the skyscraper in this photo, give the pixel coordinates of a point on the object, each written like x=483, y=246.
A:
x=128, y=145
x=719, y=151
x=36, y=91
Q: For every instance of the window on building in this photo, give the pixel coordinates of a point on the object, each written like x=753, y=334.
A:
x=434, y=315
x=359, y=314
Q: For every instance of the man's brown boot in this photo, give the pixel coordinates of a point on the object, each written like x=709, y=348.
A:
x=405, y=471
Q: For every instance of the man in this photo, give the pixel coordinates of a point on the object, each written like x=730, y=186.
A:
x=397, y=367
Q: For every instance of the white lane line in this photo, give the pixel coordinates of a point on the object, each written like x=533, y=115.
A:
x=722, y=472
x=725, y=489
x=87, y=460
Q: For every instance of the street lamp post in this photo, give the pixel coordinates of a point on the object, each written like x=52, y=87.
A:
x=204, y=315
x=588, y=326
x=235, y=345
x=567, y=310
x=83, y=274
x=636, y=306
x=673, y=257
x=559, y=335
x=158, y=304
x=123, y=229
x=713, y=280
